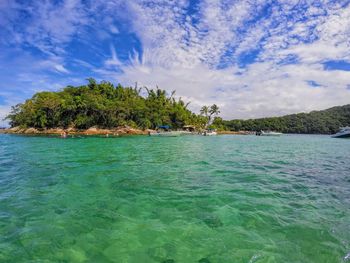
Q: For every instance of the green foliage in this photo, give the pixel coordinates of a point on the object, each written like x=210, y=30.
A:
x=104, y=105
x=316, y=122
x=219, y=124
x=208, y=112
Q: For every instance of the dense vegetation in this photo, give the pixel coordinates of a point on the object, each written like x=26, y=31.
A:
x=103, y=105
x=316, y=122
x=106, y=106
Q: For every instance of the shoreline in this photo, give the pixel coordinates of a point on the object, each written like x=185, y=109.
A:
x=94, y=131
x=118, y=131
x=113, y=132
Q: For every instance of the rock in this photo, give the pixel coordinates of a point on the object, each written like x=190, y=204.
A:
x=204, y=260
x=31, y=131
x=54, y=131
x=125, y=130
x=14, y=129
x=97, y=131
x=71, y=129
x=212, y=221
x=130, y=131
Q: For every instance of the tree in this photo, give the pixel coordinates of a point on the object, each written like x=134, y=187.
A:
x=324, y=122
x=208, y=112
x=104, y=105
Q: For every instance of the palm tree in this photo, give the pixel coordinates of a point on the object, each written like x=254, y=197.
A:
x=209, y=112
x=205, y=111
x=214, y=110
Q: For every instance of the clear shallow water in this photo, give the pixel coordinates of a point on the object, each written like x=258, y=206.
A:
x=185, y=199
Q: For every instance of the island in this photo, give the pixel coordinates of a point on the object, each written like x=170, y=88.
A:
x=104, y=108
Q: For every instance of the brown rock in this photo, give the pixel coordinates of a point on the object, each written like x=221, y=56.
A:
x=54, y=131
x=31, y=131
x=14, y=129
x=97, y=131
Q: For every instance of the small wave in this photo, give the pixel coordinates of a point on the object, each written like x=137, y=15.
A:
x=254, y=258
x=347, y=257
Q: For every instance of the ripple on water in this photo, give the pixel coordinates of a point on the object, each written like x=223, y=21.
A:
x=186, y=199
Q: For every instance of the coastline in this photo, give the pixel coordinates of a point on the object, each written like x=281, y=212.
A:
x=117, y=131
x=93, y=131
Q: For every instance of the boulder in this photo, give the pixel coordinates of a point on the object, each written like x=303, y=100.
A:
x=14, y=129
x=97, y=131
x=54, y=131
x=31, y=131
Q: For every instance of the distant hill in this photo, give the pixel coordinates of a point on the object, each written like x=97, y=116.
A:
x=316, y=122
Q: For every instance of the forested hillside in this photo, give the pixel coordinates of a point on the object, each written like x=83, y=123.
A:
x=103, y=105
x=323, y=122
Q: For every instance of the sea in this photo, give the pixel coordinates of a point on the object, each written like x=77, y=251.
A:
x=139, y=199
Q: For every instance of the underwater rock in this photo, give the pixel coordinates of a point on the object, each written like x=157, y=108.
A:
x=168, y=261
x=212, y=221
x=204, y=260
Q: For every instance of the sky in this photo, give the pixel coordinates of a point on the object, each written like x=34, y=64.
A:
x=253, y=58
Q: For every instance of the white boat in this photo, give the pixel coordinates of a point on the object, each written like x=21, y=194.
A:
x=270, y=133
x=209, y=133
x=342, y=133
x=186, y=132
x=166, y=134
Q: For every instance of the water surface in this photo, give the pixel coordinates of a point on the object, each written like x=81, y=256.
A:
x=182, y=199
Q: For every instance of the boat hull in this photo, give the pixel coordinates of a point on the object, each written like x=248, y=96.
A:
x=209, y=133
x=165, y=134
x=271, y=134
x=341, y=136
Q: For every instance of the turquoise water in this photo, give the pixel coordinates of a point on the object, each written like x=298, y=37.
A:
x=182, y=199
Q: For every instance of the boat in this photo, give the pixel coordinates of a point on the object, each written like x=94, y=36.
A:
x=343, y=132
x=268, y=133
x=166, y=133
x=209, y=133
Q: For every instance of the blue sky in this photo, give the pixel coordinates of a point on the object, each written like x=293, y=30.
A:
x=252, y=58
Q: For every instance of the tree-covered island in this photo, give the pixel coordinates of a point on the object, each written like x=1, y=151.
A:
x=106, y=106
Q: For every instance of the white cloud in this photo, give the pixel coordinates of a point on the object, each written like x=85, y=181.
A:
x=45, y=25
x=264, y=89
x=186, y=57
x=198, y=54
x=4, y=111
x=61, y=68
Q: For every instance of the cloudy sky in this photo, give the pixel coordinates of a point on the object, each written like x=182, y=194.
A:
x=253, y=58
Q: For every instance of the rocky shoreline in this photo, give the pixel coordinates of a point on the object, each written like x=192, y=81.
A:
x=118, y=131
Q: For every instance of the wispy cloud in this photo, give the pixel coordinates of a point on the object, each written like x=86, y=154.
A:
x=45, y=25
x=201, y=59
x=253, y=58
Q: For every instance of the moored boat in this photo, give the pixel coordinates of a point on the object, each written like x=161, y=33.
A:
x=209, y=133
x=268, y=133
x=166, y=133
x=342, y=133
